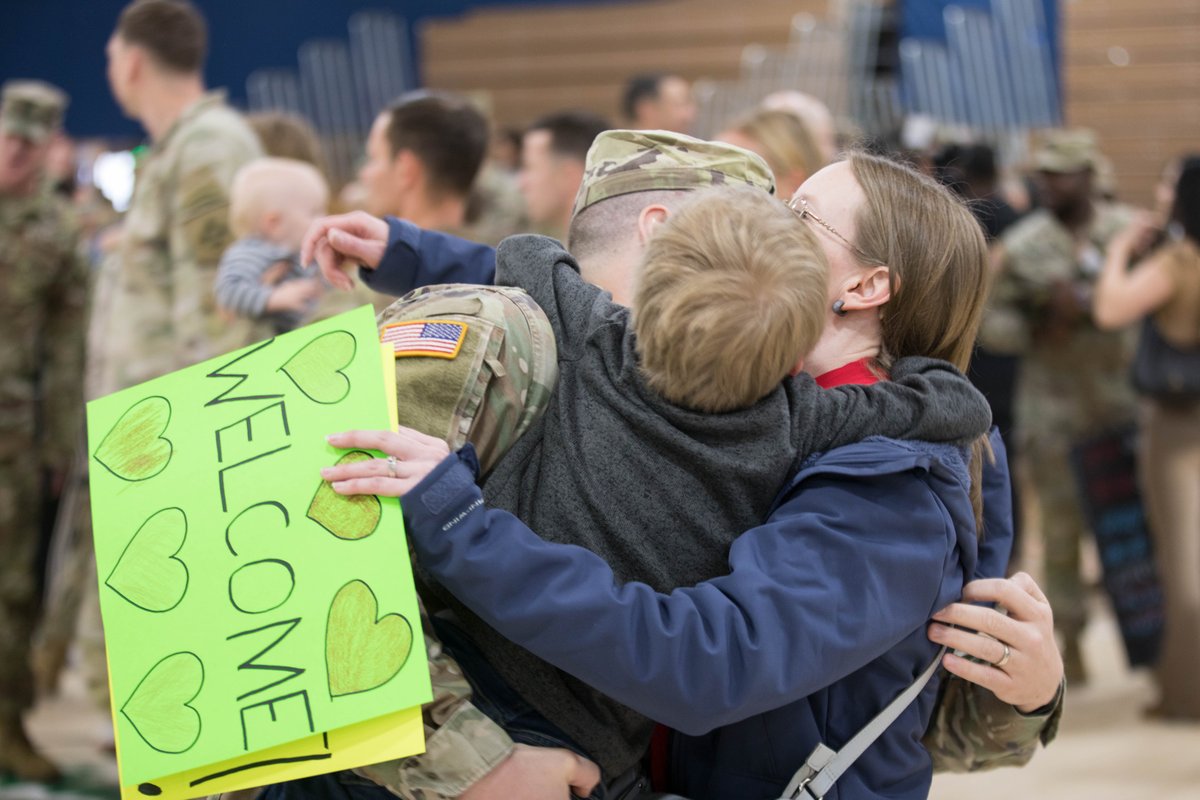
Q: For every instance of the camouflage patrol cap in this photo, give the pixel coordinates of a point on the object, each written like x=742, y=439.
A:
x=473, y=364
x=31, y=109
x=1067, y=150
x=622, y=162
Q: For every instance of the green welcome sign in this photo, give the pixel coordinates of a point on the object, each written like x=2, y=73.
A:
x=247, y=605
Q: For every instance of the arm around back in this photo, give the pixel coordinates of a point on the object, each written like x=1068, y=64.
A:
x=812, y=595
x=926, y=400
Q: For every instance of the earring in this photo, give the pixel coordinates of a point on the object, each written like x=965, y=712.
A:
x=839, y=308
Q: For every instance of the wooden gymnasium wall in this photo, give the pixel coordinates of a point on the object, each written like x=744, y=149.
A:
x=531, y=61
x=1132, y=67
x=1133, y=75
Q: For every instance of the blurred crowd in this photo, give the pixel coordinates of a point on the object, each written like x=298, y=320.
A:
x=1087, y=291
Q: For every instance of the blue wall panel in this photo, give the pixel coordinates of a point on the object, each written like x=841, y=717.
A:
x=62, y=41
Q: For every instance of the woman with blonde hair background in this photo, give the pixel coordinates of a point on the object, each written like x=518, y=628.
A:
x=784, y=142
x=1163, y=290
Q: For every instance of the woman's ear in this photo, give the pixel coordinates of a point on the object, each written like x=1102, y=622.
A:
x=648, y=221
x=872, y=289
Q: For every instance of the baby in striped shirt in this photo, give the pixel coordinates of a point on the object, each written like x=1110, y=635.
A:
x=272, y=203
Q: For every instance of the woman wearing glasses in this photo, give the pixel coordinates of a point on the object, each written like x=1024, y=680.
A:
x=823, y=616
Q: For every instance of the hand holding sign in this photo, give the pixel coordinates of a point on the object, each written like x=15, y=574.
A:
x=346, y=517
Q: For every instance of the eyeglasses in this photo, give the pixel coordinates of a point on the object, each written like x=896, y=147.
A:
x=800, y=207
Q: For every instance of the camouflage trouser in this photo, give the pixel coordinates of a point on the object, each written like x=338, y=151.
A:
x=1062, y=526
x=72, y=612
x=20, y=517
x=461, y=743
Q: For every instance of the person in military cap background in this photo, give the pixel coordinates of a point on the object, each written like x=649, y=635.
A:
x=43, y=287
x=1073, y=377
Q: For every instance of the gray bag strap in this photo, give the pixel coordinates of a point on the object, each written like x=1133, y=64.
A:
x=825, y=765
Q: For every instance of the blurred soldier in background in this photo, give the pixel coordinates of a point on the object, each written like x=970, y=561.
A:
x=1073, y=377
x=423, y=155
x=43, y=286
x=659, y=102
x=553, y=152
x=155, y=306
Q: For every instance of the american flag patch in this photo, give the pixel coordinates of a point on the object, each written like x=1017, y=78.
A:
x=425, y=337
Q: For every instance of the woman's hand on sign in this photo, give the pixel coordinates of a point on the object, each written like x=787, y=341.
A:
x=1018, y=657
x=340, y=242
x=411, y=455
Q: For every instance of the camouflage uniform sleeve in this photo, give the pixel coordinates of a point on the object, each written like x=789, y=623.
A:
x=973, y=730
x=1006, y=326
x=199, y=235
x=461, y=743
x=62, y=382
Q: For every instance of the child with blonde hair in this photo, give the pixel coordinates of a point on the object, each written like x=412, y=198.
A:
x=272, y=203
x=731, y=298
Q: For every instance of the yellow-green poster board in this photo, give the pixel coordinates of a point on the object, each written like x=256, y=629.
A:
x=245, y=604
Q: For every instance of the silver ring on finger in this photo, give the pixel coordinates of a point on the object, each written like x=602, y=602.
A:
x=391, y=465
x=1004, y=658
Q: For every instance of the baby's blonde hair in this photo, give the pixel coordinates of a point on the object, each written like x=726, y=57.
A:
x=731, y=296
x=267, y=185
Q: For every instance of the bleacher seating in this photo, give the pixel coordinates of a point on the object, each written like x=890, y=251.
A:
x=533, y=60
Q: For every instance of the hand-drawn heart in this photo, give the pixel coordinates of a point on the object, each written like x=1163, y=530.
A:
x=362, y=652
x=316, y=368
x=148, y=574
x=353, y=516
x=135, y=449
x=159, y=708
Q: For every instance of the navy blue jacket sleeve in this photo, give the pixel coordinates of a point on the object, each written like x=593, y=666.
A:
x=417, y=257
x=812, y=595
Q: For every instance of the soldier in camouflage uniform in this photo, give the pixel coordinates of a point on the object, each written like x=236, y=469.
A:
x=972, y=728
x=155, y=299
x=423, y=155
x=488, y=393
x=153, y=307
x=1073, y=380
x=474, y=400
x=43, y=286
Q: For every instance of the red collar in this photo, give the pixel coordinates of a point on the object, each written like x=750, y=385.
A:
x=857, y=372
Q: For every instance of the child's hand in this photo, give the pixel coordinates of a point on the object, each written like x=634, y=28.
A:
x=294, y=295
x=277, y=273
